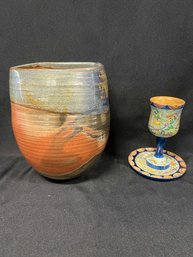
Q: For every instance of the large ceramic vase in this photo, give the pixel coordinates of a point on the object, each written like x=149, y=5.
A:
x=60, y=115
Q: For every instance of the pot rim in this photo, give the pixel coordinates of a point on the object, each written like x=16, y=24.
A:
x=62, y=66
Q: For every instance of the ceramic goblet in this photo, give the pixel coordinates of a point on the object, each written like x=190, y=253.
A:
x=164, y=122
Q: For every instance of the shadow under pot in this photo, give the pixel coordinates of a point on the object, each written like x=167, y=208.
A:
x=60, y=115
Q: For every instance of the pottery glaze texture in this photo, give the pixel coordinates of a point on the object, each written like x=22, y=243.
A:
x=60, y=115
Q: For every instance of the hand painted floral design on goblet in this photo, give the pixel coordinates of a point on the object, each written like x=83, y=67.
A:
x=163, y=123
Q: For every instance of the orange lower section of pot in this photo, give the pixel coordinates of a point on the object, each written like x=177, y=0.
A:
x=53, y=149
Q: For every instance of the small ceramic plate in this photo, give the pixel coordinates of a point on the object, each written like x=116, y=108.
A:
x=137, y=160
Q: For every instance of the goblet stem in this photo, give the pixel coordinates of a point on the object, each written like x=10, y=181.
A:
x=160, y=145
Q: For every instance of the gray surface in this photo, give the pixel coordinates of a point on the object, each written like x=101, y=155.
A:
x=110, y=211
x=146, y=47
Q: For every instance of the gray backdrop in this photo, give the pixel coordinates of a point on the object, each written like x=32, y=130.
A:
x=147, y=49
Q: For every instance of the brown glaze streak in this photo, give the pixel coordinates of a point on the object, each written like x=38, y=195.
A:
x=38, y=67
x=53, y=149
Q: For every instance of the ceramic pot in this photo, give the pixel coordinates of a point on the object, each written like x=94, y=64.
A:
x=60, y=115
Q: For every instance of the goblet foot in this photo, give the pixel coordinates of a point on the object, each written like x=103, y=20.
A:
x=158, y=163
x=170, y=167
